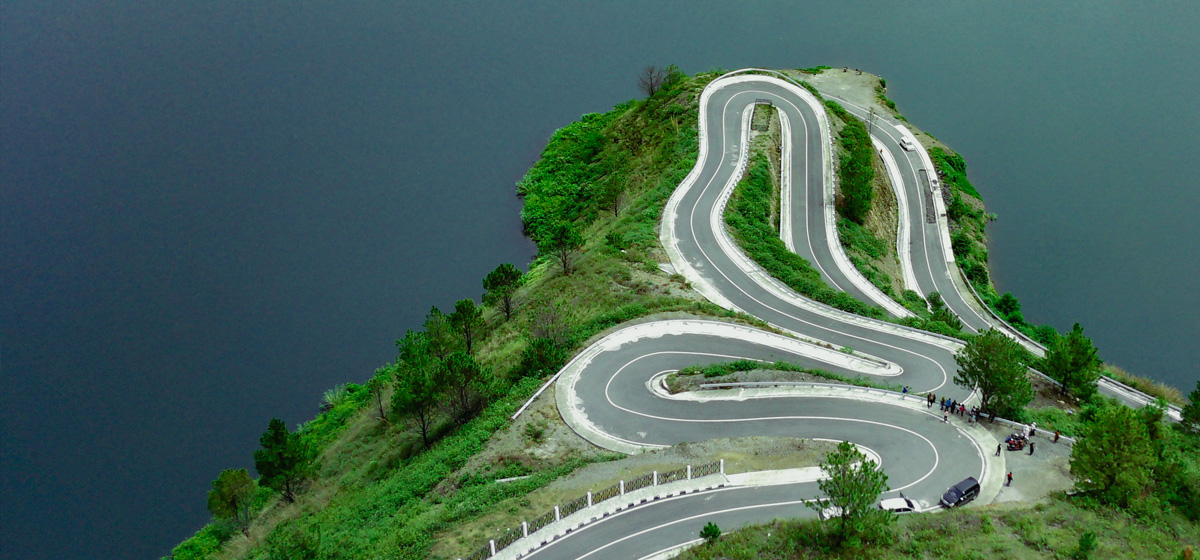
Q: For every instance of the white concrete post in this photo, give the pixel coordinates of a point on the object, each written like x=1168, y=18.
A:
x=689, y=472
x=655, y=478
x=524, y=528
x=722, y=466
x=589, y=499
x=622, y=487
x=557, y=516
x=492, y=543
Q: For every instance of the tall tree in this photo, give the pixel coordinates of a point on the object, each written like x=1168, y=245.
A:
x=1114, y=456
x=612, y=196
x=467, y=319
x=282, y=461
x=1074, y=362
x=500, y=285
x=230, y=496
x=991, y=362
x=853, y=485
x=562, y=240
x=1191, y=411
x=440, y=333
x=463, y=378
x=376, y=387
x=417, y=392
x=651, y=79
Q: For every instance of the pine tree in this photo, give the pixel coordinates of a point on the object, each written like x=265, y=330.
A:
x=282, y=461
x=853, y=486
x=1074, y=362
x=1114, y=457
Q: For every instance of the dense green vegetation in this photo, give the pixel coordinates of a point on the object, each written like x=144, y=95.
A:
x=747, y=218
x=1046, y=531
x=855, y=169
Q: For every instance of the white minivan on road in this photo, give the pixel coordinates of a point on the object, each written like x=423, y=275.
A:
x=907, y=144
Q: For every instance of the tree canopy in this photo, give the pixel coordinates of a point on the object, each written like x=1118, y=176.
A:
x=500, y=285
x=282, y=461
x=991, y=362
x=463, y=378
x=562, y=240
x=1191, y=411
x=856, y=167
x=942, y=313
x=1074, y=362
x=467, y=319
x=1114, y=456
x=230, y=496
x=417, y=392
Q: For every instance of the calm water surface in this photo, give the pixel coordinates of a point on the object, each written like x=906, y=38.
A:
x=211, y=212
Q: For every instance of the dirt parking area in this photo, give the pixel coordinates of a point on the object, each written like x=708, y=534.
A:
x=1035, y=476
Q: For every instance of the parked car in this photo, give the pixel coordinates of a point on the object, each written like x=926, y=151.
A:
x=898, y=505
x=961, y=493
x=907, y=144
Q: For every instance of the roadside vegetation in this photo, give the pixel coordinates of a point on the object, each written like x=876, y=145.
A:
x=1137, y=495
x=713, y=373
x=751, y=216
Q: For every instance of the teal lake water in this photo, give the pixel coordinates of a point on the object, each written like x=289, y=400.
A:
x=211, y=212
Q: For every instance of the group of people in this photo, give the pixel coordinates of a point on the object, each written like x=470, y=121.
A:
x=951, y=406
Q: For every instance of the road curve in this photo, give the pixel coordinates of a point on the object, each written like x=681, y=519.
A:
x=926, y=255
x=606, y=393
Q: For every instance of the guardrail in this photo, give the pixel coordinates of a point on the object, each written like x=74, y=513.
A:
x=592, y=499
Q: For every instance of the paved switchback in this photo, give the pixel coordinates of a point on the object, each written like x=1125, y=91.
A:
x=607, y=394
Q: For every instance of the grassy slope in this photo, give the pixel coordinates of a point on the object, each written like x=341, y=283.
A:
x=1048, y=530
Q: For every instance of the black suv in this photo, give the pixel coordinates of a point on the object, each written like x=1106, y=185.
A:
x=961, y=493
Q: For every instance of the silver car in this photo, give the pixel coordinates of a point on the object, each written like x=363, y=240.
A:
x=898, y=505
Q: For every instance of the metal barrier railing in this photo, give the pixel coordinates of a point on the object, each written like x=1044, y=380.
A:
x=590, y=499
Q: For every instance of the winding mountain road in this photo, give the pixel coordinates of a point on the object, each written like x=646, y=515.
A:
x=607, y=394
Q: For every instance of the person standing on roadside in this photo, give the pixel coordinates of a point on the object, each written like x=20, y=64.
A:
x=998, y=449
x=1031, y=444
x=1009, y=483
